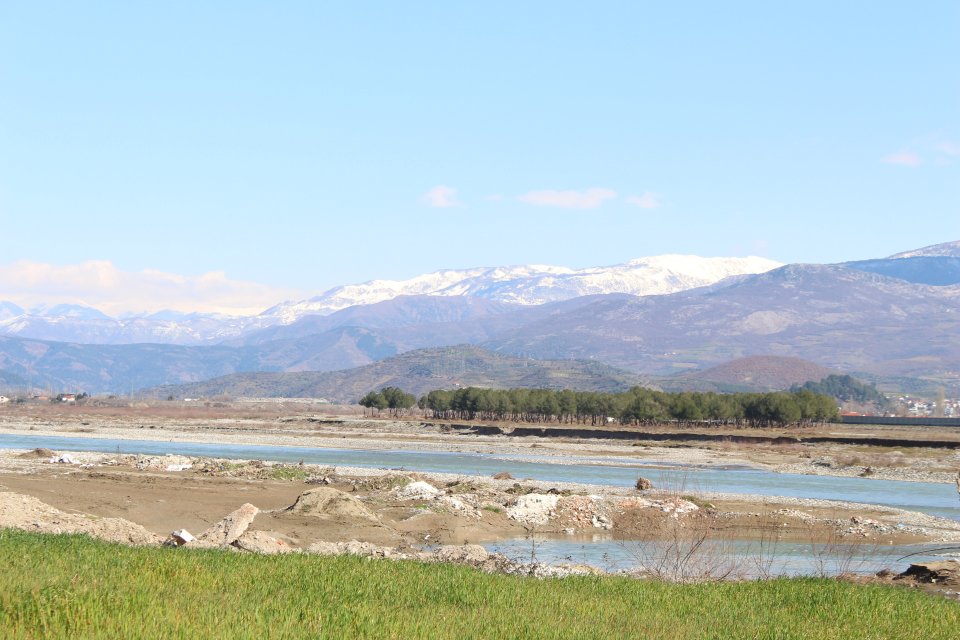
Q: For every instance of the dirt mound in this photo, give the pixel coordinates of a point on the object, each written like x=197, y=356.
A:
x=326, y=502
x=26, y=512
x=37, y=454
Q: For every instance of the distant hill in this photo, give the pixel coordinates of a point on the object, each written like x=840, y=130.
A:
x=10, y=381
x=759, y=373
x=943, y=249
x=840, y=318
x=415, y=372
x=933, y=270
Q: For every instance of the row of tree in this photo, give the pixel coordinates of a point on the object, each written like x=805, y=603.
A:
x=637, y=406
x=396, y=400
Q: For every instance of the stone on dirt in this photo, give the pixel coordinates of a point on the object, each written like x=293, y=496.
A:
x=418, y=490
x=643, y=484
x=260, y=542
x=353, y=548
x=533, y=509
x=231, y=527
x=472, y=554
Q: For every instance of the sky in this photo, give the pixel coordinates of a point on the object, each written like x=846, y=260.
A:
x=229, y=155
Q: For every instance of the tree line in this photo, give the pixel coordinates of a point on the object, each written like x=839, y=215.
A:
x=396, y=400
x=638, y=406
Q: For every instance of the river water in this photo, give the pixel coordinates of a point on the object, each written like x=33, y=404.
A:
x=932, y=498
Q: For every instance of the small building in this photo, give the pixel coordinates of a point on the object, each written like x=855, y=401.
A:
x=68, y=397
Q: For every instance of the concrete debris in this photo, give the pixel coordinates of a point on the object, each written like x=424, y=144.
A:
x=163, y=463
x=231, y=527
x=62, y=459
x=533, y=509
x=472, y=554
x=675, y=506
x=602, y=522
x=181, y=537
x=260, y=542
x=418, y=490
x=353, y=548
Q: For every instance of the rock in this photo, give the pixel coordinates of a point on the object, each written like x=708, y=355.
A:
x=327, y=502
x=602, y=522
x=643, y=484
x=472, y=554
x=260, y=542
x=533, y=509
x=230, y=528
x=946, y=572
x=418, y=490
x=354, y=548
x=503, y=475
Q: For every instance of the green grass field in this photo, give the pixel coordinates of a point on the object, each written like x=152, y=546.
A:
x=76, y=587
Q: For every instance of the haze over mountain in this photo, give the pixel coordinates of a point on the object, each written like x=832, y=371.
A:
x=845, y=317
x=520, y=285
x=416, y=372
x=835, y=316
x=948, y=249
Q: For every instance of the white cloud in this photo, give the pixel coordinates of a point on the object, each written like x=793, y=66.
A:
x=949, y=148
x=441, y=197
x=648, y=200
x=589, y=199
x=99, y=284
x=902, y=158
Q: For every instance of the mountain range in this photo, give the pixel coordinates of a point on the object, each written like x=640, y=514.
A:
x=893, y=319
x=519, y=285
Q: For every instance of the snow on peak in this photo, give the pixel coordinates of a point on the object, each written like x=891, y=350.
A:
x=945, y=249
x=535, y=284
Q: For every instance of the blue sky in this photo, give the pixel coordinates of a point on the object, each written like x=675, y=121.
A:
x=300, y=145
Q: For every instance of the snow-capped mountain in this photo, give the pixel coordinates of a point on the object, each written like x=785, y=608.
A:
x=64, y=323
x=535, y=284
x=525, y=285
x=9, y=310
x=944, y=249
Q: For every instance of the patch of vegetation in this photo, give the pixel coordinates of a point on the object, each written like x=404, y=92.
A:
x=285, y=472
x=492, y=509
x=75, y=587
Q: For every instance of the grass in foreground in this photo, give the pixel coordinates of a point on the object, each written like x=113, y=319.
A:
x=76, y=587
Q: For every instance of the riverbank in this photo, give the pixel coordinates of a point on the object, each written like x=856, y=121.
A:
x=917, y=463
